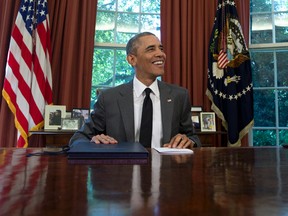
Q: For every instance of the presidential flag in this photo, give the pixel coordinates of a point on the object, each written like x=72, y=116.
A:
x=28, y=79
x=230, y=86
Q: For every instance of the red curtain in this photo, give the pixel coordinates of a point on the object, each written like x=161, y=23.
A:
x=72, y=33
x=8, y=12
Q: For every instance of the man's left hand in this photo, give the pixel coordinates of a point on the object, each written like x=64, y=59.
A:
x=179, y=141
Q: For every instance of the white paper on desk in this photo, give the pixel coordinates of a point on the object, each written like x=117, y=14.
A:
x=173, y=151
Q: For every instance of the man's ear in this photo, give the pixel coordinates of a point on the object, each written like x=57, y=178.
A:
x=131, y=60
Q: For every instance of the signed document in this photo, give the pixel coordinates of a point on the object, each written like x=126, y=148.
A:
x=173, y=151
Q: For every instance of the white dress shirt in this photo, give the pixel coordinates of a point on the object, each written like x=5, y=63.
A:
x=139, y=95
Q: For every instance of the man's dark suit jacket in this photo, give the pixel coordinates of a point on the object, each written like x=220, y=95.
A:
x=113, y=114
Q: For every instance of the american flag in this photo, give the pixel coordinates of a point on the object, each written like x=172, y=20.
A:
x=222, y=59
x=28, y=80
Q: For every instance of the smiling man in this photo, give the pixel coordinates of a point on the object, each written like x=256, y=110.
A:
x=117, y=114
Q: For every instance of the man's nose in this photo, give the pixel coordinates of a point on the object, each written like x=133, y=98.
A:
x=160, y=53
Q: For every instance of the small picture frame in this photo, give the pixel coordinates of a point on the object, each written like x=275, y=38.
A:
x=208, y=121
x=81, y=113
x=53, y=116
x=68, y=114
x=70, y=124
x=195, y=116
x=196, y=109
x=196, y=120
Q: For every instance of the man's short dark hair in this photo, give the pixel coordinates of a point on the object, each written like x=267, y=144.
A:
x=131, y=46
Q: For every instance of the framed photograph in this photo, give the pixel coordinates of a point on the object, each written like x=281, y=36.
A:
x=70, y=123
x=196, y=109
x=208, y=121
x=196, y=116
x=68, y=115
x=81, y=113
x=196, y=120
x=53, y=116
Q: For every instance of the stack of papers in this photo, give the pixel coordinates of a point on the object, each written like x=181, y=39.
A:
x=173, y=151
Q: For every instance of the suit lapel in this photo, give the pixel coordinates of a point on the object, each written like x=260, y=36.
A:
x=126, y=107
x=167, y=106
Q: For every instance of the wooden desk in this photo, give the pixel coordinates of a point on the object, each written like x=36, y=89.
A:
x=54, y=138
x=212, y=139
x=212, y=181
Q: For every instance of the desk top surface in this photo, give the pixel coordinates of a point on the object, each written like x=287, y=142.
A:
x=52, y=132
x=212, y=181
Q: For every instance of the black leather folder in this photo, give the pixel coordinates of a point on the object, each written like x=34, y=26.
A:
x=122, y=150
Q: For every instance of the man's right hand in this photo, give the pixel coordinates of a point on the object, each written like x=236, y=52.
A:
x=105, y=139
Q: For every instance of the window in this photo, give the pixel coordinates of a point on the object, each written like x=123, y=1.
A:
x=117, y=21
x=269, y=57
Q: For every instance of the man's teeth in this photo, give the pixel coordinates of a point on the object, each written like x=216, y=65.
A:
x=158, y=62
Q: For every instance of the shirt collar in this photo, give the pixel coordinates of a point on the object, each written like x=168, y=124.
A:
x=139, y=87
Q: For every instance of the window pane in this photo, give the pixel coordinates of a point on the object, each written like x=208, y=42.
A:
x=282, y=67
x=106, y=5
x=264, y=106
x=149, y=6
x=281, y=27
x=124, y=72
x=261, y=31
x=129, y=6
x=128, y=23
x=264, y=137
x=280, y=5
x=105, y=27
x=103, y=63
x=150, y=23
x=262, y=69
x=122, y=38
x=260, y=5
x=93, y=96
x=283, y=137
x=283, y=107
